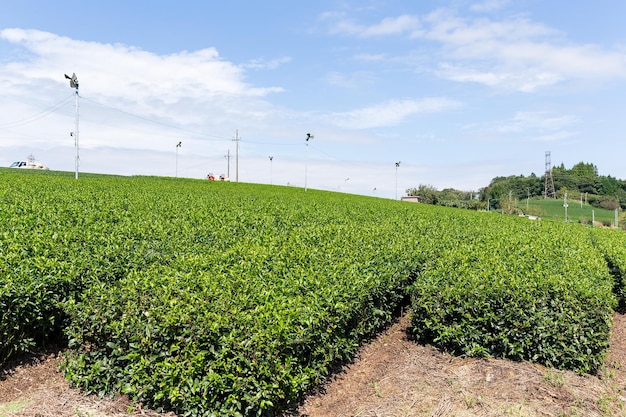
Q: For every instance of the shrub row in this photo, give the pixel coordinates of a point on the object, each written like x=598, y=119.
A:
x=243, y=331
x=612, y=244
x=519, y=290
x=57, y=237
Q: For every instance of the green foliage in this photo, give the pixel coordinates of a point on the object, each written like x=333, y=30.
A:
x=253, y=326
x=600, y=191
x=213, y=298
x=448, y=197
x=612, y=244
x=502, y=192
x=520, y=290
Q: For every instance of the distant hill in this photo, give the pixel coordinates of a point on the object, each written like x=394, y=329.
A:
x=601, y=193
x=582, y=179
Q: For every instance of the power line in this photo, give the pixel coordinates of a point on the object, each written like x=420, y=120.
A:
x=268, y=143
x=318, y=150
x=156, y=121
x=37, y=116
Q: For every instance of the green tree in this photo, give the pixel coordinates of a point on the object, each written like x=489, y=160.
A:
x=427, y=193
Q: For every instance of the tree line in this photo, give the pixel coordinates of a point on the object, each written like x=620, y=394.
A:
x=581, y=181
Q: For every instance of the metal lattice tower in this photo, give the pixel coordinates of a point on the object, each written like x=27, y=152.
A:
x=548, y=190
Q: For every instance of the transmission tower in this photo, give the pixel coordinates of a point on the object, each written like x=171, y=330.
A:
x=548, y=190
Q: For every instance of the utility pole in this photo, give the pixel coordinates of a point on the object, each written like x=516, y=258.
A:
x=74, y=84
x=565, y=205
x=178, y=145
x=236, y=155
x=271, y=160
x=397, y=165
x=227, y=156
x=306, y=158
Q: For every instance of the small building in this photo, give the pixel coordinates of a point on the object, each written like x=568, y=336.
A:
x=411, y=198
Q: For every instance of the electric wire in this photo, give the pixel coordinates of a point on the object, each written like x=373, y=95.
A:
x=37, y=116
x=182, y=129
x=57, y=106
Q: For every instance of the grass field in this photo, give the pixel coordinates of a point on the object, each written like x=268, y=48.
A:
x=552, y=209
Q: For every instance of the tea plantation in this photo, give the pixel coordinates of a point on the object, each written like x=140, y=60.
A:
x=214, y=298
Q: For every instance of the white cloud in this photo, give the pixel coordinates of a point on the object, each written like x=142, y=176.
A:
x=390, y=113
x=354, y=80
x=448, y=28
x=400, y=25
x=267, y=64
x=370, y=57
x=489, y=6
x=513, y=53
x=543, y=120
x=142, y=75
x=392, y=26
x=129, y=97
x=529, y=126
x=519, y=54
x=526, y=81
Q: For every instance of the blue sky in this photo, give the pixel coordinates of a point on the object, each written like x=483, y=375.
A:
x=458, y=91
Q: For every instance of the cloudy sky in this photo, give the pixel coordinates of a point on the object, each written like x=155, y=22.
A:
x=458, y=91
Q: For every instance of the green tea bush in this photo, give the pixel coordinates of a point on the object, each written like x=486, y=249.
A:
x=57, y=237
x=612, y=245
x=518, y=290
x=242, y=332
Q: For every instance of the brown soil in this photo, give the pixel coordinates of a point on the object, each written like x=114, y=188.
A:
x=392, y=376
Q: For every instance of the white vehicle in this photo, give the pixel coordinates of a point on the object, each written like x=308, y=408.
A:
x=29, y=164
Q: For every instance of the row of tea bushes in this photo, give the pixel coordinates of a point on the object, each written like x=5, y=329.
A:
x=244, y=331
x=520, y=290
x=612, y=244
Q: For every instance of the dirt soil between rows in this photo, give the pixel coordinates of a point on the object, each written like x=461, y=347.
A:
x=391, y=376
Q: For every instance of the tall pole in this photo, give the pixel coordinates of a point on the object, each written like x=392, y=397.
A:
x=228, y=164
x=74, y=84
x=565, y=206
x=178, y=145
x=306, y=158
x=76, y=135
x=397, y=165
x=236, y=155
x=271, y=176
